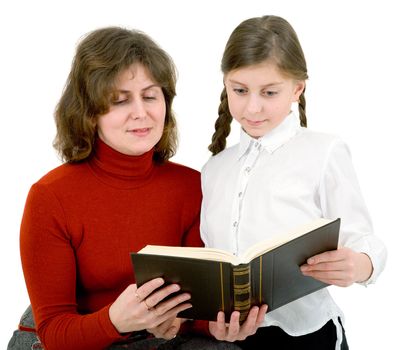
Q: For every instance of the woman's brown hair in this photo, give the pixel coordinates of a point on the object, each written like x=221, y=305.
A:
x=253, y=41
x=100, y=57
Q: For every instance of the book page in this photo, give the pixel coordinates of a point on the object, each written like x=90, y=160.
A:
x=191, y=252
x=224, y=256
x=269, y=244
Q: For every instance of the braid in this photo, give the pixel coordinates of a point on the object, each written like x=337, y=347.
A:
x=302, y=110
x=222, y=126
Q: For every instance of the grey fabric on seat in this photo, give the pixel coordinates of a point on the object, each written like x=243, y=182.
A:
x=24, y=340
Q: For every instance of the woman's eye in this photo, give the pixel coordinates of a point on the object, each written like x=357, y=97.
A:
x=149, y=98
x=120, y=102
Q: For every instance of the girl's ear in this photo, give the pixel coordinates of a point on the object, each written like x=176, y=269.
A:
x=298, y=89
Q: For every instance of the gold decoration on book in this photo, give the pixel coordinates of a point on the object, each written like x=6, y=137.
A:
x=242, y=290
x=222, y=288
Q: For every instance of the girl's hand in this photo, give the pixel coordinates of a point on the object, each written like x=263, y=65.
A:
x=233, y=331
x=167, y=330
x=144, y=307
x=341, y=267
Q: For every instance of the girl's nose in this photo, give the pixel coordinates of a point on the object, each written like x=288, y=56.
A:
x=255, y=104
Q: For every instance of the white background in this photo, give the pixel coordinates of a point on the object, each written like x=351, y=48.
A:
x=349, y=48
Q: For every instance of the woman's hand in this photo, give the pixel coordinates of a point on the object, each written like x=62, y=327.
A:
x=232, y=332
x=341, y=267
x=144, y=307
x=168, y=329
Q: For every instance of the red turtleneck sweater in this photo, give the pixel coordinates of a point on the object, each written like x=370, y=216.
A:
x=80, y=223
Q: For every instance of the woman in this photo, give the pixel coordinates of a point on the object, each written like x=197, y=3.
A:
x=115, y=193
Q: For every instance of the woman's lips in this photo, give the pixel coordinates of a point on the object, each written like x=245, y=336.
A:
x=140, y=131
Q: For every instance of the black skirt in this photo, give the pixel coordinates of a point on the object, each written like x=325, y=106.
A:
x=275, y=338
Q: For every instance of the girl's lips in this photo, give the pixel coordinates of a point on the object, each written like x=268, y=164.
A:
x=255, y=122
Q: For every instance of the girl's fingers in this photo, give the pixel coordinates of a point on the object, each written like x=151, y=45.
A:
x=219, y=327
x=234, y=331
x=325, y=266
x=261, y=315
x=234, y=326
x=250, y=323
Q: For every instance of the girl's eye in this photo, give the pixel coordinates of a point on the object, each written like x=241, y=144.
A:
x=240, y=91
x=149, y=98
x=270, y=93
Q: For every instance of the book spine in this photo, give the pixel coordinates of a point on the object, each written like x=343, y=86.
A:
x=242, y=290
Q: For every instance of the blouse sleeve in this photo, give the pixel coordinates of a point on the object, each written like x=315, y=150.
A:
x=203, y=221
x=191, y=211
x=49, y=267
x=340, y=196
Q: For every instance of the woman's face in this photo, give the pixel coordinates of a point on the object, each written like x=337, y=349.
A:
x=134, y=124
x=260, y=97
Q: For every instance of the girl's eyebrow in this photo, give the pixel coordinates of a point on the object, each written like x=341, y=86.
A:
x=263, y=86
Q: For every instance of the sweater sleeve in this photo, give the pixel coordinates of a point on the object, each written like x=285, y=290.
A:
x=49, y=266
x=196, y=327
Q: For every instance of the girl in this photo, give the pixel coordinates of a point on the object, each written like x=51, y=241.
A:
x=282, y=175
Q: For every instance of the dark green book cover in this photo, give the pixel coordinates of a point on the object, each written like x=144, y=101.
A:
x=272, y=278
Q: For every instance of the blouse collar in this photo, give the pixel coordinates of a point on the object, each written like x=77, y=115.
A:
x=274, y=139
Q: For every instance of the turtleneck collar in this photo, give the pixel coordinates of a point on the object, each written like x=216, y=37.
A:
x=121, y=170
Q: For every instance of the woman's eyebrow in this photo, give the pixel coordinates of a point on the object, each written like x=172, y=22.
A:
x=151, y=86
x=122, y=91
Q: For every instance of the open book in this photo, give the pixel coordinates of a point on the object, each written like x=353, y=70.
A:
x=268, y=272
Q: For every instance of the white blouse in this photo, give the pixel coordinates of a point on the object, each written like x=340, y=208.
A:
x=263, y=187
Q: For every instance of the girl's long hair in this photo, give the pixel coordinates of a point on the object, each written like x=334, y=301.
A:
x=253, y=41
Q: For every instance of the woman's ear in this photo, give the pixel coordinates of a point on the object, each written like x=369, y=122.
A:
x=300, y=85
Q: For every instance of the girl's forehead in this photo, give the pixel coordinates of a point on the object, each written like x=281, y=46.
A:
x=263, y=73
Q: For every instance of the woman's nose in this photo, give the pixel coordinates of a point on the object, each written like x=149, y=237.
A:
x=137, y=109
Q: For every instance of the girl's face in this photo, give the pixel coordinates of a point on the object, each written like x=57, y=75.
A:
x=134, y=124
x=260, y=97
